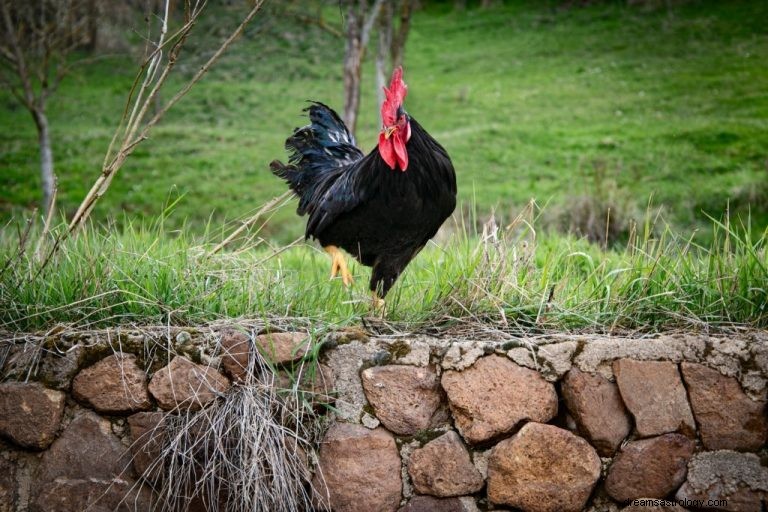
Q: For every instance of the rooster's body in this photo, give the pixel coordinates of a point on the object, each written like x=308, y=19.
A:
x=383, y=207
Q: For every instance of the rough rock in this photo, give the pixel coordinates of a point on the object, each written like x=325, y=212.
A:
x=726, y=354
x=406, y=449
x=57, y=368
x=87, y=448
x=759, y=353
x=737, y=478
x=431, y=504
x=8, y=491
x=235, y=354
x=598, y=354
x=87, y=463
x=114, y=385
x=443, y=468
x=345, y=361
x=461, y=356
x=492, y=396
x=557, y=358
x=283, y=347
x=542, y=468
x=404, y=398
x=601, y=502
x=418, y=354
x=359, y=469
x=370, y=421
x=30, y=413
x=728, y=419
x=278, y=348
x=186, y=385
x=596, y=406
x=93, y=495
x=654, y=393
x=649, y=468
x=754, y=384
x=470, y=504
x=552, y=360
x=147, y=442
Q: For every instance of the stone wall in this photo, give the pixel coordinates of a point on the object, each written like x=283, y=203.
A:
x=418, y=423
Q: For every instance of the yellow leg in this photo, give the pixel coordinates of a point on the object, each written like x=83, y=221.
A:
x=377, y=304
x=339, y=263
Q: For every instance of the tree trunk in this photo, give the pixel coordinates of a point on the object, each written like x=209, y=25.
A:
x=47, y=175
x=360, y=22
x=352, y=59
x=400, y=38
x=94, y=16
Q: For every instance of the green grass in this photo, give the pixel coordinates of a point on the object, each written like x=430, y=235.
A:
x=530, y=100
x=516, y=281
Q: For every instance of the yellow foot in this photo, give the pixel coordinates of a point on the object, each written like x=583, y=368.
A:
x=339, y=263
x=377, y=304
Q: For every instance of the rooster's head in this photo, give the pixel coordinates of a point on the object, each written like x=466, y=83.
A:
x=396, y=124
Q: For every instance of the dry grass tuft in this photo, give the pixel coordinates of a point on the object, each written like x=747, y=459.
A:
x=246, y=451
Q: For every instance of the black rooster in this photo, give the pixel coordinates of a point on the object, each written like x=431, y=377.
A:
x=382, y=207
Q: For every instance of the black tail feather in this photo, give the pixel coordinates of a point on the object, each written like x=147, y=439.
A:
x=323, y=146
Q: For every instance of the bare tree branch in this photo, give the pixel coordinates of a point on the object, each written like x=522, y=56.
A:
x=133, y=131
x=36, y=39
x=318, y=21
x=21, y=65
x=275, y=201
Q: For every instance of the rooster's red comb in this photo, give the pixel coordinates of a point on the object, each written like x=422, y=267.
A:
x=397, y=88
x=393, y=97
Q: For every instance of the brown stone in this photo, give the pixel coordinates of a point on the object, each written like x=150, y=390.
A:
x=595, y=405
x=430, y=504
x=542, y=468
x=444, y=468
x=30, y=413
x=8, y=490
x=404, y=398
x=283, y=347
x=728, y=480
x=359, y=469
x=92, y=495
x=278, y=348
x=58, y=367
x=654, y=393
x=728, y=419
x=87, y=448
x=86, y=468
x=147, y=437
x=235, y=354
x=114, y=385
x=649, y=468
x=186, y=385
x=493, y=395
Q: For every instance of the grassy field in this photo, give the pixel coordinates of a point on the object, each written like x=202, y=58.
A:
x=509, y=279
x=531, y=101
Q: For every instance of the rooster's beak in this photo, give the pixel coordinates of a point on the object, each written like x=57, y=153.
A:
x=389, y=130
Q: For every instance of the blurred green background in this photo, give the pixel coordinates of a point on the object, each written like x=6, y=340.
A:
x=584, y=107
